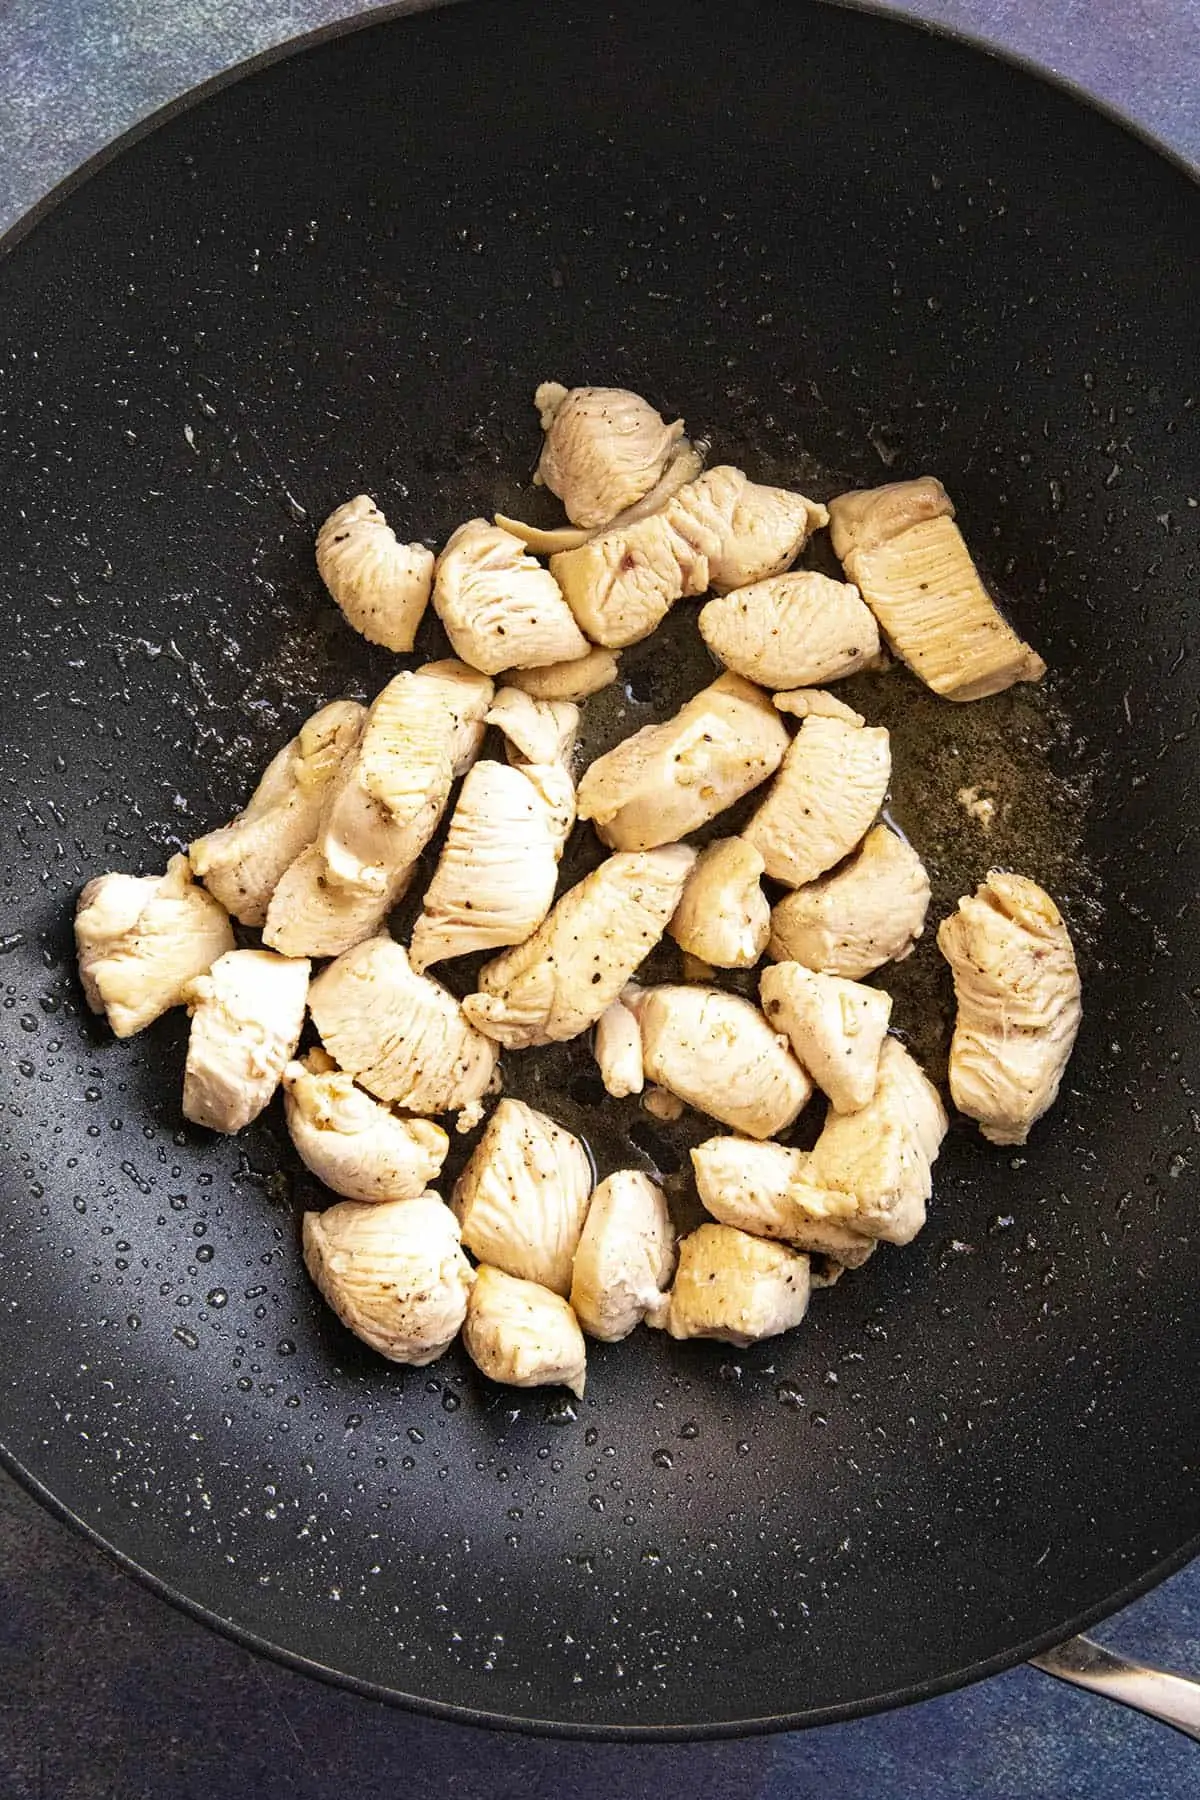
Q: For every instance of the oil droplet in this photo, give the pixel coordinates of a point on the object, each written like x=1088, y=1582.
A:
x=662, y=1459
x=133, y=1322
x=788, y=1394
x=205, y=1253
x=186, y=1337
x=689, y=1429
x=415, y=1435
x=216, y=1298
x=450, y=1402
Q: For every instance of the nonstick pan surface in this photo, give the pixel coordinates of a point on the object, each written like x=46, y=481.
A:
x=847, y=250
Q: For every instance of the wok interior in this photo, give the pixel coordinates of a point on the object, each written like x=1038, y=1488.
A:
x=823, y=239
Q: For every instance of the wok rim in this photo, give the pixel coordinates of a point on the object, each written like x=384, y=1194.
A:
x=696, y=1731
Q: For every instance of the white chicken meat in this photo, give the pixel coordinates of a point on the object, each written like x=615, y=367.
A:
x=792, y=630
x=900, y=544
x=141, y=939
x=247, y=1016
x=668, y=779
x=717, y=1052
x=243, y=862
x=495, y=879
x=500, y=607
x=771, y=1191
x=424, y=729
x=824, y=799
x=618, y=1050
x=723, y=917
x=625, y=1256
x=815, y=703
x=733, y=1287
x=869, y=912
x=720, y=531
x=381, y=585
x=310, y=914
x=884, y=1153
x=538, y=731
x=353, y=1143
x=522, y=1335
x=523, y=1196
x=836, y=1028
x=745, y=531
x=1018, y=992
x=604, y=449
x=559, y=981
x=398, y=1033
x=573, y=680
x=622, y=584
x=394, y=1274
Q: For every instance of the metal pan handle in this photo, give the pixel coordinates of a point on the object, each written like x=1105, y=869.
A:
x=1175, y=1699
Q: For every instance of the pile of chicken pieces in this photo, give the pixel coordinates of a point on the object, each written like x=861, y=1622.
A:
x=330, y=841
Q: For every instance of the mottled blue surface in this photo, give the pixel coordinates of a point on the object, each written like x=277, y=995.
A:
x=106, y=1693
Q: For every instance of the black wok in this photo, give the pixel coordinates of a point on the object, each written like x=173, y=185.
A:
x=845, y=248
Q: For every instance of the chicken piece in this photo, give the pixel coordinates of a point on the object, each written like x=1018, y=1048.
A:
x=791, y=630
x=622, y=584
x=836, y=1029
x=720, y=531
x=522, y=1335
x=668, y=779
x=558, y=982
x=381, y=585
x=243, y=862
x=399, y=1034
x=900, y=544
x=770, y=1191
x=356, y=1145
x=394, y=1274
x=625, y=1256
x=573, y=680
x=883, y=1154
x=733, y=1287
x=816, y=703
x=604, y=449
x=495, y=879
x=523, y=1196
x=618, y=1049
x=865, y=518
x=501, y=609
x=867, y=913
x=660, y=1104
x=312, y=915
x=1017, y=988
x=825, y=797
x=424, y=729
x=247, y=1016
x=538, y=731
x=746, y=532
x=723, y=918
x=141, y=939
x=716, y=1052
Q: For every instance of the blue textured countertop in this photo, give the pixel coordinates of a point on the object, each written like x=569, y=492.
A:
x=106, y=1693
